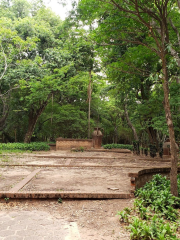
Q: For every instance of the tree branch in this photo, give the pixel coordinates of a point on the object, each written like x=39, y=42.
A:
x=5, y=65
x=175, y=30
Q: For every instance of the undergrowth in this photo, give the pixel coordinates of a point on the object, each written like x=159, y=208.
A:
x=155, y=213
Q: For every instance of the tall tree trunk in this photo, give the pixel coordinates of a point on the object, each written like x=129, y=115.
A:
x=129, y=122
x=89, y=105
x=174, y=157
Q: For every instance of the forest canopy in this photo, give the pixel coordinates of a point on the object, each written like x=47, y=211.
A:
x=47, y=66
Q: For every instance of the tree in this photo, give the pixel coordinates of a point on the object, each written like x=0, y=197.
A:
x=142, y=17
x=40, y=83
x=12, y=47
x=21, y=8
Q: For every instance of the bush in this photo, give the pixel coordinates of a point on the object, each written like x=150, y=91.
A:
x=121, y=146
x=34, y=146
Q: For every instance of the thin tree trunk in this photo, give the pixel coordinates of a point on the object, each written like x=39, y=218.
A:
x=174, y=157
x=129, y=122
x=89, y=106
x=5, y=112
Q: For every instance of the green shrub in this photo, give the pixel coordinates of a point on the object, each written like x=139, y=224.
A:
x=156, y=228
x=156, y=216
x=156, y=195
x=121, y=146
x=34, y=146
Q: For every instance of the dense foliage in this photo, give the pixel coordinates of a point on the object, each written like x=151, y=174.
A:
x=155, y=214
x=45, y=73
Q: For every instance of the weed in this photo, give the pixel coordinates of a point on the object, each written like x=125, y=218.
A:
x=6, y=199
x=5, y=160
x=81, y=149
x=127, y=210
x=124, y=216
x=60, y=200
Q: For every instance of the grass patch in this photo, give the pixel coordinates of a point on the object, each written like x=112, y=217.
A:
x=5, y=160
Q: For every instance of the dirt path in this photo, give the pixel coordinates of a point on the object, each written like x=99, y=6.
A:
x=89, y=219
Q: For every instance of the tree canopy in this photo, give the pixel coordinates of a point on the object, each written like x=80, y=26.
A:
x=113, y=64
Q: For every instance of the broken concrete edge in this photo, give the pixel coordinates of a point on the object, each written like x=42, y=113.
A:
x=154, y=160
x=151, y=170
x=78, y=157
x=22, y=183
x=140, y=178
x=67, y=166
x=64, y=195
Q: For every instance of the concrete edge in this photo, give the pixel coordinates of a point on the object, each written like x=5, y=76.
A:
x=66, y=157
x=68, y=166
x=109, y=150
x=22, y=183
x=135, y=178
x=64, y=195
x=151, y=170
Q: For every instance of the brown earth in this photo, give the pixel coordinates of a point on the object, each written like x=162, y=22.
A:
x=83, y=172
x=97, y=172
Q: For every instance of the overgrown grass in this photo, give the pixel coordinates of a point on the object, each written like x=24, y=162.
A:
x=155, y=214
x=15, y=147
x=121, y=146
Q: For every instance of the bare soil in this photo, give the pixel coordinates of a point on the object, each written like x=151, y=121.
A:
x=96, y=172
x=96, y=219
x=10, y=176
x=91, y=180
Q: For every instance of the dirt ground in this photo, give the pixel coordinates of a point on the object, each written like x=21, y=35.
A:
x=90, y=172
x=10, y=176
x=96, y=219
x=79, y=172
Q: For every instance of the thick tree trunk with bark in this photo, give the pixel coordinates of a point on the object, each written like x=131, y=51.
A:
x=174, y=156
x=33, y=117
